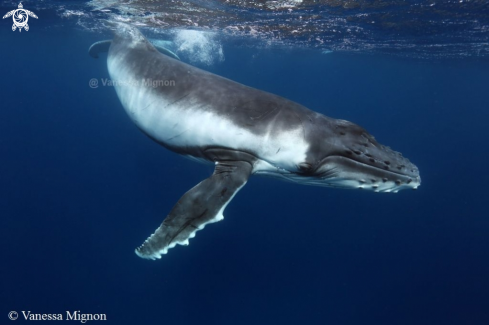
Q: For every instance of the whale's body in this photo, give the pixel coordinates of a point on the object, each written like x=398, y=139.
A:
x=243, y=131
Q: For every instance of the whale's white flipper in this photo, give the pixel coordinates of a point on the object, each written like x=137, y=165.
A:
x=201, y=205
x=103, y=47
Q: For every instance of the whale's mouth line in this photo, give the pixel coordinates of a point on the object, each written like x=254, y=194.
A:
x=353, y=173
x=383, y=170
x=345, y=172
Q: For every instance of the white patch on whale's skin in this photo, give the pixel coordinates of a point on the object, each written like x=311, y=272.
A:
x=178, y=124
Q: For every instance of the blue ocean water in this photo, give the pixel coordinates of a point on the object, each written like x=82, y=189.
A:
x=81, y=187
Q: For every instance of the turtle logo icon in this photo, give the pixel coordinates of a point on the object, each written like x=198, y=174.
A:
x=20, y=17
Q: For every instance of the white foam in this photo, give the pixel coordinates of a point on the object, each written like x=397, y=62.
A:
x=199, y=46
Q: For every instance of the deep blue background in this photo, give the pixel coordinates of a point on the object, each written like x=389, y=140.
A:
x=81, y=187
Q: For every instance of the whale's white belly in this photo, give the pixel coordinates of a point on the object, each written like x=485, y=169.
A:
x=189, y=123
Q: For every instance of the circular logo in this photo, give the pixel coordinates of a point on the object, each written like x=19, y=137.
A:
x=13, y=315
x=20, y=18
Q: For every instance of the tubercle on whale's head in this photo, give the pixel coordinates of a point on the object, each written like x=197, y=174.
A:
x=352, y=158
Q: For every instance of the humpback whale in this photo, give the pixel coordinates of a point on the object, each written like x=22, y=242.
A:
x=242, y=131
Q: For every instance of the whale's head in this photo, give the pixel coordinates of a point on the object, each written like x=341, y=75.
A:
x=347, y=156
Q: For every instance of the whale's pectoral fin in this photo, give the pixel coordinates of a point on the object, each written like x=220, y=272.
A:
x=99, y=47
x=201, y=205
x=103, y=47
x=166, y=51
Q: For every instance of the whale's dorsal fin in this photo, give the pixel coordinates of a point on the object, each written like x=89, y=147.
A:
x=201, y=205
x=103, y=47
